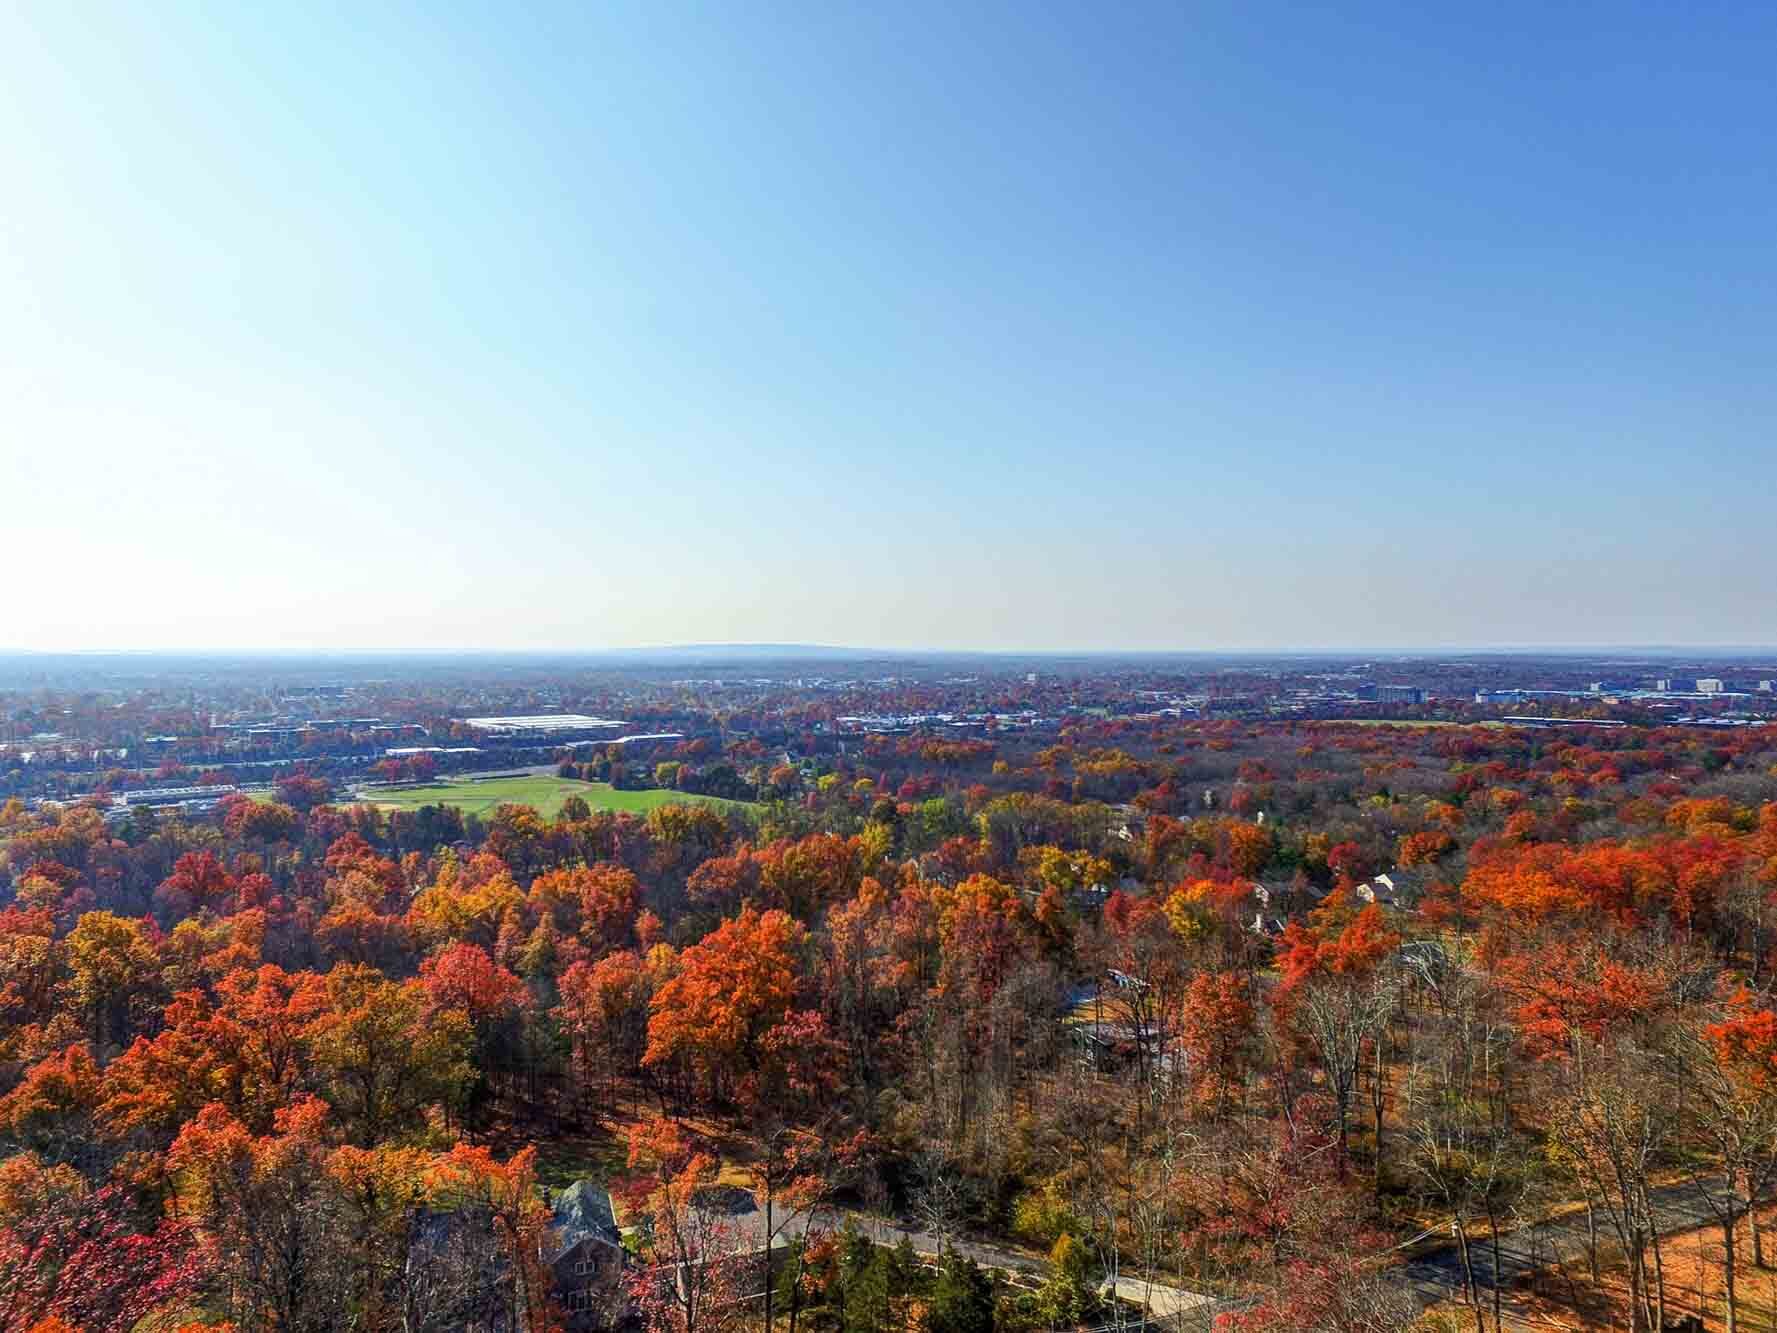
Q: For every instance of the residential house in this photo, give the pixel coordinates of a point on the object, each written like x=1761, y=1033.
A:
x=587, y=1255
x=1397, y=888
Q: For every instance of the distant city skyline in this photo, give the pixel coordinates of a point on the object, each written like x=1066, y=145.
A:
x=922, y=328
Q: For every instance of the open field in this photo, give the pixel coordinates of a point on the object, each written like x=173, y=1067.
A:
x=544, y=793
x=1407, y=722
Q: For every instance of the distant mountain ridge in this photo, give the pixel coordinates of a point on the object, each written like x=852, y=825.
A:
x=737, y=652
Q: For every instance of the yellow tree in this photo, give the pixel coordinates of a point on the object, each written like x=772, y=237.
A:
x=383, y=1055
x=111, y=966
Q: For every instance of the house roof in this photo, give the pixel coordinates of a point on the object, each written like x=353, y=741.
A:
x=583, y=1211
x=1393, y=886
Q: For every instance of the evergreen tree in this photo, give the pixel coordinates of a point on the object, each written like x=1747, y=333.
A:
x=962, y=1299
x=1066, y=1295
x=906, y=1277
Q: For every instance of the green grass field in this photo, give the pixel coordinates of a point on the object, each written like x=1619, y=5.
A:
x=545, y=794
x=1407, y=722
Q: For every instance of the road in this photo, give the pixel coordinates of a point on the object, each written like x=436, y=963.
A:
x=1438, y=1276
x=1428, y=1278
x=1188, y=1311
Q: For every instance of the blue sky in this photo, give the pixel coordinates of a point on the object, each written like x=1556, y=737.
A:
x=961, y=326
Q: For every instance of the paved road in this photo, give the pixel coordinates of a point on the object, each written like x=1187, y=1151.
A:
x=1429, y=1278
x=1188, y=1311
x=1165, y=1302
x=1438, y=1276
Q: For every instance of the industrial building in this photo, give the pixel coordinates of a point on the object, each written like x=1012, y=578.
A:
x=543, y=726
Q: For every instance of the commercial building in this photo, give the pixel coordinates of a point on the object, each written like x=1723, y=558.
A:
x=651, y=738
x=173, y=795
x=1399, y=694
x=543, y=726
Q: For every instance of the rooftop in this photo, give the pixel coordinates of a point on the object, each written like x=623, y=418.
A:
x=543, y=722
x=583, y=1210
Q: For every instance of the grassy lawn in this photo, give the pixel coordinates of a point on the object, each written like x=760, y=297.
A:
x=1405, y=722
x=600, y=1153
x=545, y=794
x=562, y=1161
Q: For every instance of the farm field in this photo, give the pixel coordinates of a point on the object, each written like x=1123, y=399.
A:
x=1426, y=722
x=542, y=792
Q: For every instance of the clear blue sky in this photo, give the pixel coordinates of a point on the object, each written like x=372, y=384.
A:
x=951, y=325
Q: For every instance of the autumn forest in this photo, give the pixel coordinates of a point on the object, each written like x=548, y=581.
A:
x=1251, y=1023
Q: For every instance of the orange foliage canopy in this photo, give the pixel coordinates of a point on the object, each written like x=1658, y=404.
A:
x=1357, y=948
x=731, y=988
x=1745, y=1043
x=1682, y=878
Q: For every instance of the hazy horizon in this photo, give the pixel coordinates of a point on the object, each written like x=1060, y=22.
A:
x=985, y=329
x=817, y=651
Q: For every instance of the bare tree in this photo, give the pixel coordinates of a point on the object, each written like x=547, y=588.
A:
x=1615, y=1120
x=454, y=1275
x=1733, y=1118
x=939, y=1200
x=1473, y=1168
x=1340, y=1015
